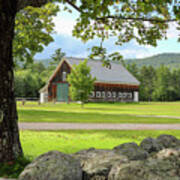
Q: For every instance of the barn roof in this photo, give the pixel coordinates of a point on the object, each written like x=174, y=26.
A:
x=116, y=74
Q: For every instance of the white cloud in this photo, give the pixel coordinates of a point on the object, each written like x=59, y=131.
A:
x=136, y=53
x=172, y=32
x=64, y=25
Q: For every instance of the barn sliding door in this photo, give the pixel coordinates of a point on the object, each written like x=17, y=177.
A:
x=62, y=92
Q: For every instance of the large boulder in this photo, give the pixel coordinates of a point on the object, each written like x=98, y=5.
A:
x=163, y=166
x=96, y=163
x=132, y=151
x=168, y=141
x=90, y=153
x=151, y=145
x=53, y=165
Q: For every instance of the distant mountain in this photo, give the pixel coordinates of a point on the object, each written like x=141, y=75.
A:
x=171, y=60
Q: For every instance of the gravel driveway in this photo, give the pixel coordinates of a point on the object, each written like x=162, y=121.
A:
x=96, y=126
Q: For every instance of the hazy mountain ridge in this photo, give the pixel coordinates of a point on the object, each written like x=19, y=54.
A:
x=171, y=60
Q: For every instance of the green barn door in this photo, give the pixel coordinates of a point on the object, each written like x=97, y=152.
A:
x=62, y=92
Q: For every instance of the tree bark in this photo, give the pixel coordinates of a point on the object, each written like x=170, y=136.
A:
x=10, y=147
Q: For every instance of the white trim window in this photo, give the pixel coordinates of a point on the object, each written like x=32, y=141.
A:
x=124, y=95
x=103, y=94
x=98, y=94
x=114, y=94
x=130, y=95
x=109, y=95
x=120, y=95
x=64, y=76
x=92, y=95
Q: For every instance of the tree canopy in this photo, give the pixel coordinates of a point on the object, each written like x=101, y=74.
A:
x=144, y=21
x=81, y=82
x=33, y=31
x=57, y=57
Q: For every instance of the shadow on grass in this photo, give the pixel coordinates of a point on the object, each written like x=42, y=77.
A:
x=87, y=117
x=135, y=135
x=56, y=116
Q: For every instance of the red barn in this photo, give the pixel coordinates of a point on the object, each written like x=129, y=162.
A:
x=113, y=83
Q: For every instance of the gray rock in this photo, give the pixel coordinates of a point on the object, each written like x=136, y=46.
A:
x=97, y=163
x=90, y=153
x=168, y=141
x=162, y=167
x=132, y=151
x=53, y=166
x=168, y=153
x=151, y=145
x=7, y=179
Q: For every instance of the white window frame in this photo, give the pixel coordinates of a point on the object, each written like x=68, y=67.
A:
x=120, y=94
x=124, y=94
x=92, y=95
x=103, y=94
x=98, y=94
x=109, y=94
x=64, y=76
x=114, y=94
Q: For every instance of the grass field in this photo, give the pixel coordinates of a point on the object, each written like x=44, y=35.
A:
x=37, y=142
x=100, y=113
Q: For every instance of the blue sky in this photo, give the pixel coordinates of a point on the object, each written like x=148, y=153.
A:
x=75, y=47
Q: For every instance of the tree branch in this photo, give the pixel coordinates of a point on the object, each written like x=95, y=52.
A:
x=137, y=19
x=35, y=3
x=74, y=6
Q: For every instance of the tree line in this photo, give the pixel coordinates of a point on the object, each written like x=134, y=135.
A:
x=30, y=78
x=157, y=84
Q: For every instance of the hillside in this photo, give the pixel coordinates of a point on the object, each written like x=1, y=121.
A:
x=171, y=60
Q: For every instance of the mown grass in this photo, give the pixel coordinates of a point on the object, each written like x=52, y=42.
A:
x=100, y=112
x=70, y=141
x=35, y=143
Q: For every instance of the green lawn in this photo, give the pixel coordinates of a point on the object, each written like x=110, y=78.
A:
x=37, y=142
x=99, y=112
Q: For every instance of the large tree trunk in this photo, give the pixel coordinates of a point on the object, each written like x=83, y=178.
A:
x=10, y=147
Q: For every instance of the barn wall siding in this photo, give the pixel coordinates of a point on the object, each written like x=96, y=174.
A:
x=113, y=94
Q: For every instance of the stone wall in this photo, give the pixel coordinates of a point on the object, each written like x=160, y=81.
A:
x=153, y=159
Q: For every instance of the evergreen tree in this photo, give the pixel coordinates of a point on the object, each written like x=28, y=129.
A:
x=133, y=69
x=147, y=76
x=57, y=57
x=163, y=90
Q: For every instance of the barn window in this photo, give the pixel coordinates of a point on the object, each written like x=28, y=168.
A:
x=124, y=95
x=92, y=94
x=120, y=94
x=109, y=94
x=64, y=76
x=103, y=94
x=114, y=94
x=129, y=95
x=98, y=94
